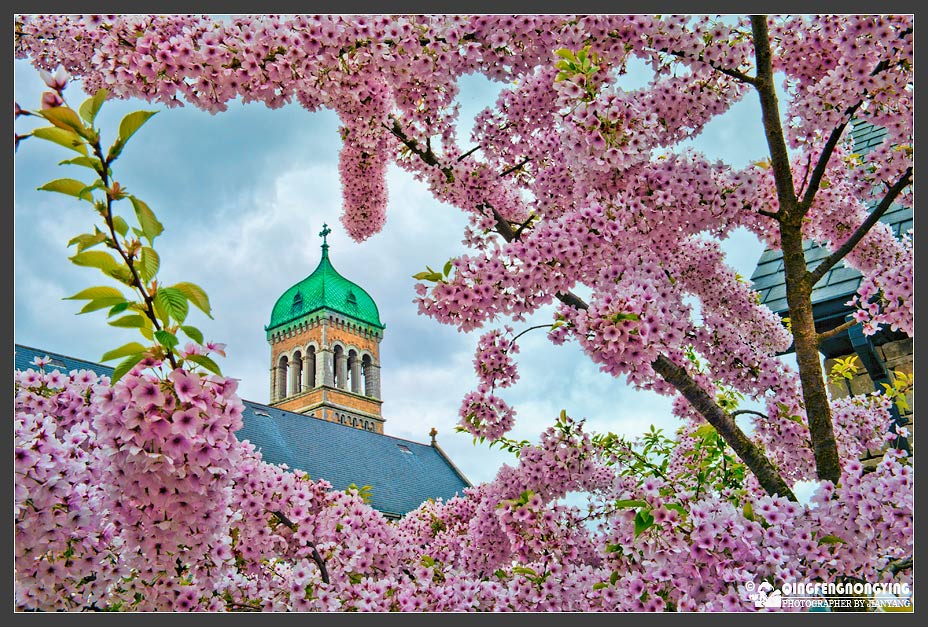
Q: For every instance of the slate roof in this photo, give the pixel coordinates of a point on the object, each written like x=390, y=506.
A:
x=402, y=474
x=841, y=282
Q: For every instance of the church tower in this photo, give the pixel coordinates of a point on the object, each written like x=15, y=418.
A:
x=325, y=334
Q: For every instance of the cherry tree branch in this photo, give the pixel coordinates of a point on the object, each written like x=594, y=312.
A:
x=819, y=172
x=836, y=331
x=316, y=557
x=748, y=411
x=767, y=474
x=815, y=275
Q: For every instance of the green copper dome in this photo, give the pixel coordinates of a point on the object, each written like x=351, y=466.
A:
x=324, y=289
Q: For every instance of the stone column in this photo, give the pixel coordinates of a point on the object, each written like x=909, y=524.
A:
x=281, y=382
x=325, y=370
x=295, y=367
x=273, y=392
x=372, y=381
x=309, y=369
x=355, y=375
x=341, y=365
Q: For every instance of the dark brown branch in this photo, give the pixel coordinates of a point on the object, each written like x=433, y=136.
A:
x=773, y=130
x=741, y=76
x=748, y=411
x=503, y=227
x=767, y=474
x=528, y=220
x=108, y=218
x=815, y=275
x=469, y=152
x=509, y=171
x=835, y=136
x=819, y=172
x=316, y=556
x=426, y=155
x=837, y=330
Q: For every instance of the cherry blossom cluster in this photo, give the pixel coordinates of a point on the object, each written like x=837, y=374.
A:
x=170, y=446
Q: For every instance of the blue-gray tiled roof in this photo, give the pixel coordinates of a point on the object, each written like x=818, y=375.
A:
x=401, y=473
x=841, y=282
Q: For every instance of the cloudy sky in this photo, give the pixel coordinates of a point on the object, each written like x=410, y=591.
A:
x=242, y=196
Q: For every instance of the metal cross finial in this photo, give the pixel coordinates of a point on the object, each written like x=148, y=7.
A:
x=324, y=232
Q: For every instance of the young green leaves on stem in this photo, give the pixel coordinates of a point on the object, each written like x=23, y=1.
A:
x=159, y=312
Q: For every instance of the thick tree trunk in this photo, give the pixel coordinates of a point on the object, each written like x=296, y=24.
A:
x=798, y=290
x=805, y=340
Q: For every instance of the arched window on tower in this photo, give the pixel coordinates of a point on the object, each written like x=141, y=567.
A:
x=297, y=305
x=281, y=387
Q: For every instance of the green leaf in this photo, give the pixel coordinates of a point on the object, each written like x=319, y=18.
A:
x=643, y=521
x=115, y=150
x=676, y=507
x=68, y=139
x=90, y=107
x=149, y=262
x=95, y=259
x=613, y=548
x=173, y=302
x=125, y=366
x=132, y=348
x=614, y=577
x=65, y=118
x=448, y=266
x=133, y=321
x=428, y=276
x=748, y=511
x=132, y=122
x=196, y=295
x=705, y=431
x=87, y=162
x=193, y=333
x=93, y=293
x=524, y=570
x=151, y=228
x=599, y=585
x=118, y=308
x=166, y=338
x=101, y=303
x=566, y=53
x=71, y=187
x=630, y=503
x=86, y=240
x=831, y=539
x=206, y=362
x=120, y=226
x=122, y=274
